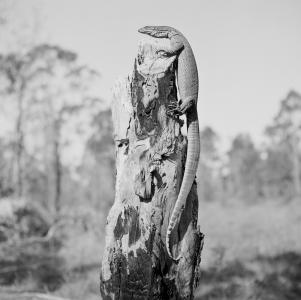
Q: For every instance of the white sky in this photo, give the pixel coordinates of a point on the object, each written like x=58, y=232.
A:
x=248, y=51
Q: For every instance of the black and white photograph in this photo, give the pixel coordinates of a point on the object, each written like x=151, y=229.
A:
x=150, y=150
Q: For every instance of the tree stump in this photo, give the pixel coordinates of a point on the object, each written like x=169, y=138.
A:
x=150, y=159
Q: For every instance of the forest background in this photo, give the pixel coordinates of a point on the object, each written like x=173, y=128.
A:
x=57, y=168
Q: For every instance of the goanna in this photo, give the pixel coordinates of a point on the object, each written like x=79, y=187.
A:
x=188, y=84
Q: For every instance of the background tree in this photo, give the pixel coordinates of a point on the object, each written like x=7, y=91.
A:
x=244, y=164
x=52, y=99
x=13, y=77
x=98, y=166
x=6, y=184
x=285, y=134
x=3, y=5
x=276, y=172
x=209, y=165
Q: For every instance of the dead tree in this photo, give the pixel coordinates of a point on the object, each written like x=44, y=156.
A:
x=150, y=159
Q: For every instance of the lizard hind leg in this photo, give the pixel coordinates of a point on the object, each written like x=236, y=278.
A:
x=185, y=104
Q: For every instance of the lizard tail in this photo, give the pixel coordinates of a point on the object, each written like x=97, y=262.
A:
x=192, y=159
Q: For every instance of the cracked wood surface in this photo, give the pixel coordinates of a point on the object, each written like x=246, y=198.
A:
x=150, y=159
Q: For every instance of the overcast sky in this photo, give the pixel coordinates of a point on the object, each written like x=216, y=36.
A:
x=248, y=52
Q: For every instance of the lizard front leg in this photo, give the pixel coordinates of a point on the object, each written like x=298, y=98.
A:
x=181, y=107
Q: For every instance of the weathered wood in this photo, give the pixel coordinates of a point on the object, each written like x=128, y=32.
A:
x=150, y=158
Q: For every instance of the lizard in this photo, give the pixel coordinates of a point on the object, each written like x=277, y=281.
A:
x=187, y=84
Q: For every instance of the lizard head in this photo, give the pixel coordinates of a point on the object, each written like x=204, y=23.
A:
x=158, y=31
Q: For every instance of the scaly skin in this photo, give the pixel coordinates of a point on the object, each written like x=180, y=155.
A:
x=188, y=84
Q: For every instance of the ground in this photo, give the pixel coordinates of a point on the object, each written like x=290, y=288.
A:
x=250, y=252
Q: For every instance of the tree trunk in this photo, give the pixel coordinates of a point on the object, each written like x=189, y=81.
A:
x=296, y=166
x=150, y=158
x=19, y=143
x=57, y=168
x=52, y=157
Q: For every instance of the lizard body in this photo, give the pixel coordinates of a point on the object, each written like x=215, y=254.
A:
x=187, y=82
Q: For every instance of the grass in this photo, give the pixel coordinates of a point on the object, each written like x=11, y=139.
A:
x=250, y=252
x=243, y=232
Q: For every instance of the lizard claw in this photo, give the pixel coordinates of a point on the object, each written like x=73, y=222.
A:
x=184, y=106
x=175, y=109
x=174, y=112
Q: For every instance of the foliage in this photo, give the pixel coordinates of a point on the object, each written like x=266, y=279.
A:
x=285, y=136
x=248, y=252
x=51, y=102
x=250, y=173
x=208, y=171
x=244, y=164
